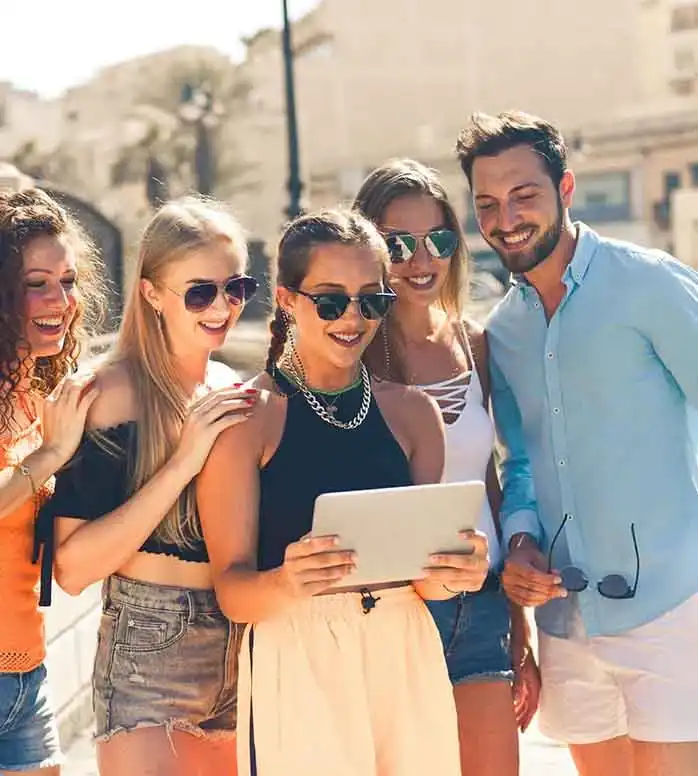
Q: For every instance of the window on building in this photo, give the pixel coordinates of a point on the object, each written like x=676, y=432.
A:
x=602, y=196
x=684, y=17
x=693, y=171
x=683, y=86
x=672, y=181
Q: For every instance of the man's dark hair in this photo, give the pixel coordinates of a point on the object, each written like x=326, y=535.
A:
x=487, y=135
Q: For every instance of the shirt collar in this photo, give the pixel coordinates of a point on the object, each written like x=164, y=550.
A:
x=587, y=242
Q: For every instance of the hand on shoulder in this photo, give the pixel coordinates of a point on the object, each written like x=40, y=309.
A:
x=267, y=402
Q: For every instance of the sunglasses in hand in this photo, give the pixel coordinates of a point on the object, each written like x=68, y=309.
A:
x=614, y=586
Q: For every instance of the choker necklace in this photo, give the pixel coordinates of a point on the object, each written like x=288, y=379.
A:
x=291, y=374
x=324, y=412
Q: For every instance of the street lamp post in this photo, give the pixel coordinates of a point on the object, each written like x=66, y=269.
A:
x=199, y=109
x=295, y=185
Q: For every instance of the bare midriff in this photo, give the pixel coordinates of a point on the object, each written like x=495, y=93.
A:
x=167, y=570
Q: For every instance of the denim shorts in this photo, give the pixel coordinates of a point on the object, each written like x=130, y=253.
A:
x=28, y=732
x=165, y=656
x=475, y=630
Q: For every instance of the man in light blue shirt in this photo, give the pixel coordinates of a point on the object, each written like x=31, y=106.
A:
x=594, y=359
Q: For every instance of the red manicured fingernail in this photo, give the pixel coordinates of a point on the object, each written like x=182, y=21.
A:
x=251, y=390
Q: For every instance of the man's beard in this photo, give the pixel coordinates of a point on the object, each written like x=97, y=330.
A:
x=518, y=262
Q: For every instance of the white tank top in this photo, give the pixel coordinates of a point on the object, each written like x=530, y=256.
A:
x=469, y=437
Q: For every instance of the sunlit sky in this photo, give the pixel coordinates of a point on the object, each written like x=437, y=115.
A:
x=50, y=45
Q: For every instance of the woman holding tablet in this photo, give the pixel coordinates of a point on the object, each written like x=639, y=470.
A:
x=426, y=342
x=346, y=681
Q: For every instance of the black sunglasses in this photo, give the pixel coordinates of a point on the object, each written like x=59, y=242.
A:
x=237, y=289
x=440, y=243
x=612, y=586
x=331, y=306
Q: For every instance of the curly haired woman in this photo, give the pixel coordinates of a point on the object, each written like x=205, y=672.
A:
x=48, y=281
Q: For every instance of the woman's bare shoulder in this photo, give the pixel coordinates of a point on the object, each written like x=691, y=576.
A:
x=268, y=411
x=116, y=402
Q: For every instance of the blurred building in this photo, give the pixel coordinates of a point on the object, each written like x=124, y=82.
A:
x=376, y=80
x=399, y=77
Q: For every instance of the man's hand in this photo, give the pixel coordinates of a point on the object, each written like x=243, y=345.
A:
x=526, y=579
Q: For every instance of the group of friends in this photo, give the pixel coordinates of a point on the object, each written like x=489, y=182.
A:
x=231, y=639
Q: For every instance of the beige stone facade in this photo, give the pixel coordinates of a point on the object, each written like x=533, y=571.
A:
x=382, y=78
x=399, y=77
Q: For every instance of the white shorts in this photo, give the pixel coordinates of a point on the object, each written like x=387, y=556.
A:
x=642, y=683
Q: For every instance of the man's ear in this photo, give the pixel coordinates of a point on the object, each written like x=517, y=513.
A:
x=567, y=186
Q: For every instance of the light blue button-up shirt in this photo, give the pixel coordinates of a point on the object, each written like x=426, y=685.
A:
x=591, y=410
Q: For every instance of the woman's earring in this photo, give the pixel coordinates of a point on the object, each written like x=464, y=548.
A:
x=386, y=348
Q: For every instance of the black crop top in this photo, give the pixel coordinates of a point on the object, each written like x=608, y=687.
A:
x=314, y=457
x=97, y=481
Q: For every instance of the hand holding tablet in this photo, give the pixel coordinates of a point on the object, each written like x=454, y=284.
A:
x=314, y=564
x=464, y=571
x=395, y=531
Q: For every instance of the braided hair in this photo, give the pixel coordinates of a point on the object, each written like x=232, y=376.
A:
x=279, y=334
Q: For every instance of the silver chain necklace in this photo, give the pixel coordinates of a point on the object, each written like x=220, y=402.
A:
x=315, y=405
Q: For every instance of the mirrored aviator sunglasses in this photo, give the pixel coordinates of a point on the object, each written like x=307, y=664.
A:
x=332, y=306
x=237, y=289
x=439, y=243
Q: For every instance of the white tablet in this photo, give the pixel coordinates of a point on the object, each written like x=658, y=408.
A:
x=394, y=530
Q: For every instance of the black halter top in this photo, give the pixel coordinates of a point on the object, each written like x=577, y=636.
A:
x=315, y=457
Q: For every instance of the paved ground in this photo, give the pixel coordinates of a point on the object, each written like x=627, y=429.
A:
x=539, y=757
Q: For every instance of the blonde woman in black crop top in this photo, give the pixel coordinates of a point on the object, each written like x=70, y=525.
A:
x=165, y=672
x=343, y=681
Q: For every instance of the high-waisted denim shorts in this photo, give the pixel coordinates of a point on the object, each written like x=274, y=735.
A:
x=475, y=631
x=28, y=732
x=165, y=656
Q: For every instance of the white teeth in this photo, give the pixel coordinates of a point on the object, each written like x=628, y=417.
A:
x=515, y=239
x=421, y=280
x=48, y=321
x=215, y=325
x=347, y=337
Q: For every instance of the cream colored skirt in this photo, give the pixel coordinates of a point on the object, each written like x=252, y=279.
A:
x=338, y=691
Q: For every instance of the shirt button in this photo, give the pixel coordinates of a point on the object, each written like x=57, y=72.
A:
x=561, y=461
x=537, y=305
x=556, y=410
x=551, y=356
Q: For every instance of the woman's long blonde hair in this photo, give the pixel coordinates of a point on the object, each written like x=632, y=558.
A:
x=393, y=180
x=178, y=228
